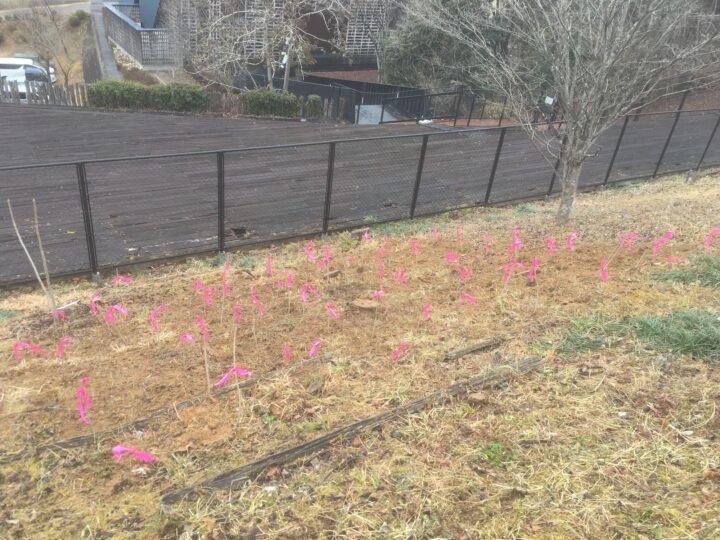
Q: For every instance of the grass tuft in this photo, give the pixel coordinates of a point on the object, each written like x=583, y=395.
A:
x=694, y=333
x=703, y=270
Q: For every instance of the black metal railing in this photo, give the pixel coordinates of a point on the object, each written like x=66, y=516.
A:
x=138, y=209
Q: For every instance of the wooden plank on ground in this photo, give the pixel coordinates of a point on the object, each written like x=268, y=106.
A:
x=231, y=478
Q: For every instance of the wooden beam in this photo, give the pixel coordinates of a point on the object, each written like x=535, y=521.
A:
x=233, y=477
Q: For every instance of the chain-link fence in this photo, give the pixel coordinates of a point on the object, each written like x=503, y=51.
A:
x=100, y=214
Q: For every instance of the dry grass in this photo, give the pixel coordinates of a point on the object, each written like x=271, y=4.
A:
x=619, y=440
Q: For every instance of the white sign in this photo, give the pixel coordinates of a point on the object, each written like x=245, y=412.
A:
x=549, y=101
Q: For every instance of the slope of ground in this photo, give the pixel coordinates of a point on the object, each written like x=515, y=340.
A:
x=617, y=435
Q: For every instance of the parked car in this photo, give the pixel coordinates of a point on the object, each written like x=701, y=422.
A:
x=34, y=59
x=22, y=71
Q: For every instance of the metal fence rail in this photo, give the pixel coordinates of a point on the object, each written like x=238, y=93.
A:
x=104, y=213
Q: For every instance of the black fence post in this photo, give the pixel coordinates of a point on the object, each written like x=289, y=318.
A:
x=87, y=219
x=707, y=147
x=482, y=111
x=418, y=176
x=460, y=95
x=382, y=111
x=221, y=200
x=328, y=187
x=672, y=130
x=472, y=108
x=617, y=149
x=557, y=165
x=495, y=165
x=502, y=113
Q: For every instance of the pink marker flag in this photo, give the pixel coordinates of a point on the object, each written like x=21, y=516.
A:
x=451, y=256
x=331, y=311
x=256, y=301
x=286, y=353
x=533, y=268
x=305, y=289
x=552, y=247
x=435, y=233
x=465, y=297
x=121, y=279
x=307, y=249
x=200, y=323
x=377, y=294
x=413, y=246
x=240, y=372
x=37, y=350
x=397, y=352
x=187, y=337
x=314, y=348
x=516, y=243
x=399, y=276
x=464, y=273
x=708, y=240
x=58, y=313
x=209, y=292
x=426, y=311
x=226, y=269
x=236, y=313
x=153, y=317
x=626, y=240
x=198, y=285
x=268, y=266
x=61, y=346
x=458, y=235
x=326, y=257
x=93, y=307
x=675, y=260
x=82, y=400
x=603, y=270
x=19, y=346
x=508, y=267
x=114, y=308
x=660, y=243
x=288, y=280
x=570, y=241
x=118, y=452
x=366, y=235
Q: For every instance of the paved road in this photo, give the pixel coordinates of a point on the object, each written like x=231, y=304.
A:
x=158, y=207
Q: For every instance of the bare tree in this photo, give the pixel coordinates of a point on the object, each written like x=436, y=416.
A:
x=235, y=37
x=44, y=30
x=600, y=59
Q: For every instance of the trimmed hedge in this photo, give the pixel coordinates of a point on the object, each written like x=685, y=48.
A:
x=173, y=97
x=315, y=106
x=265, y=102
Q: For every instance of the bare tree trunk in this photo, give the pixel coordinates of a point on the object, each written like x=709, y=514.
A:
x=288, y=64
x=268, y=67
x=569, y=178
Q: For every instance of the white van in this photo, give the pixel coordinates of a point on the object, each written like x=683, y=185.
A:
x=21, y=71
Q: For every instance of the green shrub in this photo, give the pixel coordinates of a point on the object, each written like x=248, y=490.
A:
x=134, y=96
x=271, y=103
x=2, y=38
x=315, y=106
x=77, y=18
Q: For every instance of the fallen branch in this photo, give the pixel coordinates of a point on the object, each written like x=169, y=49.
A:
x=140, y=423
x=249, y=471
x=476, y=347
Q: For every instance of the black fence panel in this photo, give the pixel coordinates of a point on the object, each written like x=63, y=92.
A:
x=642, y=146
x=456, y=170
x=56, y=193
x=523, y=170
x=373, y=180
x=596, y=166
x=274, y=193
x=711, y=147
x=150, y=208
x=691, y=135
